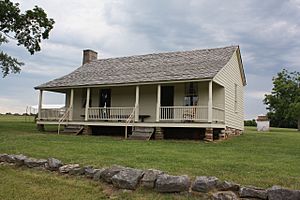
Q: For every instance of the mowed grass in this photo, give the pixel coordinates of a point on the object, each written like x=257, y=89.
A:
x=28, y=184
x=260, y=159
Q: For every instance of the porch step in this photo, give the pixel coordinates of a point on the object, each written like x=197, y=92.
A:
x=141, y=133
x=73, y=129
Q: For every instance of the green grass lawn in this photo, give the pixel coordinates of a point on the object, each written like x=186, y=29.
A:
x=29, y=184
x=260, y=159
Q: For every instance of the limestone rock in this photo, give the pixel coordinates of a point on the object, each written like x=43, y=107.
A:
x=149, y=178
x=16, y=159
x=279, y=193
x=224, y=195
x=205, y=184
x=53, y=164
x=89, y=171
x=9, y=158
x=77, y=171
x=108, y=173
x=20, y=159
x=228, y=186
x=97, y=174
x=32, y=162
x=127, y=178
x=67, y=168
x=168, y=183
x=3, y=157
x=253, y=192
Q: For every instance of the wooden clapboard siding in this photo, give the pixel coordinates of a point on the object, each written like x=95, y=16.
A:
x=228, y=76
x=78, y=107
x=147, y=104
x=122, y=96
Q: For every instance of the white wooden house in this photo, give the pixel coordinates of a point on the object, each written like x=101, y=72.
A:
x=200, y=89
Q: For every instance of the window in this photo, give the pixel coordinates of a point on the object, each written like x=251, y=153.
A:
x=235, y=97
x=191, y=94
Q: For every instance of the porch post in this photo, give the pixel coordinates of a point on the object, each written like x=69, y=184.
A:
x=137, y=96
x=158, y=103
x=87, y=103
x=71, y=104
x=210, y=101
x=40, y=104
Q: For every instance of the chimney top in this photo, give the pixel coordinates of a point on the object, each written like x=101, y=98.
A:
x=89, y=55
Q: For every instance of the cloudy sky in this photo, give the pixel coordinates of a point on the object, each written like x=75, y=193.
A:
x=268, y=33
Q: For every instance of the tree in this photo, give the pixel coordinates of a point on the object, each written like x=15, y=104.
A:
x=250, y=122
x=284, y=101
x=28, y=29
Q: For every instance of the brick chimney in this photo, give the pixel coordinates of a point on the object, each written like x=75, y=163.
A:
x=89, y=55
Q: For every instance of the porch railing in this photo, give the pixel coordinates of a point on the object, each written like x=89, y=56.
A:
x=129, y=120
x=64, y=118
x=218, y=114
x=182, y=113
x=52, y=114
x=167, y=113
x=110, y=113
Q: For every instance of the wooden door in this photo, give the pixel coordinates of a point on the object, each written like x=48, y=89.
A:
x=105, y=98
x=167, y=96
x=167, y=99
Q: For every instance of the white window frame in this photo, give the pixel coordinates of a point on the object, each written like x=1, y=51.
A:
x=191, y=91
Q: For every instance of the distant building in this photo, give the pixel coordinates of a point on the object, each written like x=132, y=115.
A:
x=263, y=123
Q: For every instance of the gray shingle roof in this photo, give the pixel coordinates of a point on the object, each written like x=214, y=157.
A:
x=183, y=65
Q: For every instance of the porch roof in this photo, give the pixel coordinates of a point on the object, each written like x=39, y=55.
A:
x=158, y=67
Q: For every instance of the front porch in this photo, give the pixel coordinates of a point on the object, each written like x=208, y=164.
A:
x=194, y=102
x=174, y=114
x=186, y=105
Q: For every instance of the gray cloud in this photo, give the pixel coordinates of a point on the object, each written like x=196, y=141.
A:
x=267, y=31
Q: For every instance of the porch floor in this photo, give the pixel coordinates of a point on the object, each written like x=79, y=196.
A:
x=140, y=124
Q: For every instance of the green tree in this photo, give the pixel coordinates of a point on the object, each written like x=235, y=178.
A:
x=250, y=122
x=284, y=101
x=27, y=28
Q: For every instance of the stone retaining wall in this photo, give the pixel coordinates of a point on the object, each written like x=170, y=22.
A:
x=130, y=179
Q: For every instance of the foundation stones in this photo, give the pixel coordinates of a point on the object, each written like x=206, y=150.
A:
x=209, y=134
